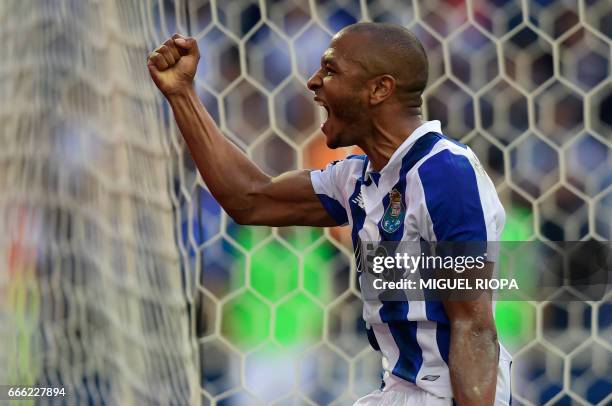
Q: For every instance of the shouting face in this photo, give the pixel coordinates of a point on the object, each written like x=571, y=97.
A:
x=339, y=87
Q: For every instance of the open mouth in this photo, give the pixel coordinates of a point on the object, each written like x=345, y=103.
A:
x=325, y=107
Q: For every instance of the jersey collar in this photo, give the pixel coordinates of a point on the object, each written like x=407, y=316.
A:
x=402, y=150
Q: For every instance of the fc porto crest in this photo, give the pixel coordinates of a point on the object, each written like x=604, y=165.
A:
x=394, y=213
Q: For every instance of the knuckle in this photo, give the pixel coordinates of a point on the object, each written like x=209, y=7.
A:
x=158, y=59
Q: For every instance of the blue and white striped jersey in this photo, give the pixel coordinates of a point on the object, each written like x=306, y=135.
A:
x=445, y=196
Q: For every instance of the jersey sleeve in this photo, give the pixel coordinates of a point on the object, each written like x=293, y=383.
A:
x=327, y=185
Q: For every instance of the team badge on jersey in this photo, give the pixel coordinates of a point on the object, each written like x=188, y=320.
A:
x=394, y=214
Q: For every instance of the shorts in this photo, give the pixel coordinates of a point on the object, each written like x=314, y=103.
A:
x=398, y=392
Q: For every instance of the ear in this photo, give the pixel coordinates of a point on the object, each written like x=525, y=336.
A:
x=381, y=87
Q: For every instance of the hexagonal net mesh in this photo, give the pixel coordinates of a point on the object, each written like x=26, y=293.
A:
x=91, y=297
x=159, y=287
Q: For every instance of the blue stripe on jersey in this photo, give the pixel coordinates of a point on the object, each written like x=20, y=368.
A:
x=393, y=310
x=452, y=198
x=421, y=148
x=365, y=165
x=410, y=354
x=375, y=176
x=334, y=208
x=434, y=311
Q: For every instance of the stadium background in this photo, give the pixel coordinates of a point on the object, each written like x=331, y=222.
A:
x=122, y=278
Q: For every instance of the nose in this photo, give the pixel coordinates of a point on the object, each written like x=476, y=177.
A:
x=314, y=82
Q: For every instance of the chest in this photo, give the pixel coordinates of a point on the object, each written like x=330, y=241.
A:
x=383, y=213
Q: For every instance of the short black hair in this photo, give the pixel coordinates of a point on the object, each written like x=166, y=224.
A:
x=394, y=50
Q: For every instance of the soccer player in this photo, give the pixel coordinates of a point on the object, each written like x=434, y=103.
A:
x=370, y=82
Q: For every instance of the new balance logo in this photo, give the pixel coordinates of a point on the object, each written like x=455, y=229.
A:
x=359, y=201
x=430, y=378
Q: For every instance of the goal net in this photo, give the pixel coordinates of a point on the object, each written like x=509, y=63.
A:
x=91, y=294
x=122, y=279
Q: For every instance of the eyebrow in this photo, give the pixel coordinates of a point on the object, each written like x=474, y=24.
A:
x=329, y=60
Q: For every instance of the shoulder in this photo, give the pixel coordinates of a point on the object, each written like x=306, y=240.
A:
x=441, y=158
x=446, y=161
x=355, y=162
x=351, y=165
x=450, y=172
x=337, y=176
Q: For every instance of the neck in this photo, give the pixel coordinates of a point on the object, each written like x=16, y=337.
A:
x=386, y=136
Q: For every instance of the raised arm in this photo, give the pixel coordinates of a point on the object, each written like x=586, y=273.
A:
x=247, y=194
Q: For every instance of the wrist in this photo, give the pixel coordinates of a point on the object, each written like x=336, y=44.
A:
x=181, y=93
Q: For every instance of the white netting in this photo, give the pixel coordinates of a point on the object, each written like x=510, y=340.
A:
x=126, y=280
x=90, y=289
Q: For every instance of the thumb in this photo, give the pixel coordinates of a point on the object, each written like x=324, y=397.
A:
x=185, y=43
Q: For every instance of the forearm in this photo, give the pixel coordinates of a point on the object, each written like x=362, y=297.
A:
x=229, y=174
x=473, y=363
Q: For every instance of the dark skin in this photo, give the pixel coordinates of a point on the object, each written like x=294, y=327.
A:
x=364, y=110
x=369, y=114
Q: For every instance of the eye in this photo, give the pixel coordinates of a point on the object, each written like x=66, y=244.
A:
x=329, y=72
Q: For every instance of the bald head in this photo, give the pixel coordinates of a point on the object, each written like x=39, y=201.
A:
x=390, y=49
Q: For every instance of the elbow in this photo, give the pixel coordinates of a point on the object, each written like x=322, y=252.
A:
x=240, y=208
x=480, y=339
x=247, y=209
x=247, y=216
x=241, y=217
x=473, y=319
x=488, y=334
x=485, y=331
x=241, y=221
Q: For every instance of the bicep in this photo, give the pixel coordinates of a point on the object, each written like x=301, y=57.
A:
x=289, y=199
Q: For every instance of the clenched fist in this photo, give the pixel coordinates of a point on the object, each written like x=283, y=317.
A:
x=173, y=65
